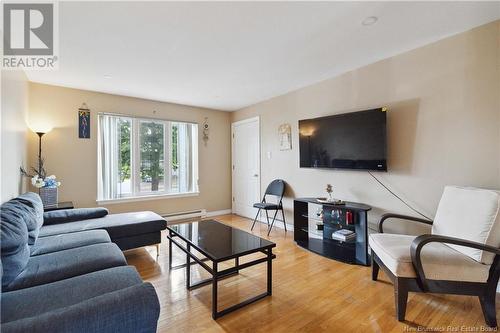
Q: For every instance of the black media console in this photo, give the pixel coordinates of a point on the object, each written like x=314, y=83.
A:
x=349, y=215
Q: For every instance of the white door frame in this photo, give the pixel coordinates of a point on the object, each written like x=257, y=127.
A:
x=233, y=125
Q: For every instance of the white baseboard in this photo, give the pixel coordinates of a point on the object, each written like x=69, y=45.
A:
x=218, y=212
x=177, y=216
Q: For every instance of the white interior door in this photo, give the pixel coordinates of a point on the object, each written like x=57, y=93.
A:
x=246, y=166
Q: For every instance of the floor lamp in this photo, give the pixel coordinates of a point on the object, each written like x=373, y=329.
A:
x=40, y=134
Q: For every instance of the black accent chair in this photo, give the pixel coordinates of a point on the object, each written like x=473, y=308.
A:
x=276, y=188
x=460, y=256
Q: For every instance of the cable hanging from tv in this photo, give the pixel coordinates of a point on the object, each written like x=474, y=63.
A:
x=398, y=197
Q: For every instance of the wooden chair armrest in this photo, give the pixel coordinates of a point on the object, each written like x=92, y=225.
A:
x=419, y=242
x=399, y=216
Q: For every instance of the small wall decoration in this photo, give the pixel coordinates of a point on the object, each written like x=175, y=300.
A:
x=285, y=134
x=206, y=130
x=84, y=122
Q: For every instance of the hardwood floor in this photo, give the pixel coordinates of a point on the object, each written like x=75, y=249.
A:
x=310, y=294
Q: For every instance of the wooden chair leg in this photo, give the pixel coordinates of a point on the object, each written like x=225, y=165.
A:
x=375, y=269
x=400, y=297
x=488, y=307
x=255, y=219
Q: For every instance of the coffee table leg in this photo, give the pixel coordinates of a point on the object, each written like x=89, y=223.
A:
x=214, y=290
x=170, y=251
x=269, y=272
x=188, y=267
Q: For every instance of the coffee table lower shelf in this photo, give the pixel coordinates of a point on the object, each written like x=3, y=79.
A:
x=219, y=275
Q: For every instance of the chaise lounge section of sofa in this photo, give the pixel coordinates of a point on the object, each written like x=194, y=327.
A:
x=127, y=230
x=73, y=281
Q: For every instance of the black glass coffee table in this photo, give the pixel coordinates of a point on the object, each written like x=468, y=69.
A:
x=218, y=242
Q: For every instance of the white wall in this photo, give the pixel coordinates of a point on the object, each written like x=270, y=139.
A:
x=443, y=124
x=13, y=145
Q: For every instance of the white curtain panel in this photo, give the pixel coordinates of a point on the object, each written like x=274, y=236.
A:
x=108, y=152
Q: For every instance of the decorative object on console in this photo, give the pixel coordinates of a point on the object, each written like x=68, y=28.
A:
x=344, y=235
x=330, y=199
x=285, y=133
x=325, y=200
x=349, y=217
x=319, y=221
x=206, y=130
x=329, y=190
x=84, y=122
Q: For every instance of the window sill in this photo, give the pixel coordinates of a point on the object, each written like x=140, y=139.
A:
x=147, y=198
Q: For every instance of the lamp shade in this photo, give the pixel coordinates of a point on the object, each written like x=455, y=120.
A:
x=40, y=128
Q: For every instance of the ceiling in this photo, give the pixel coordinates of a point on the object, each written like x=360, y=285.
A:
x=227, y=56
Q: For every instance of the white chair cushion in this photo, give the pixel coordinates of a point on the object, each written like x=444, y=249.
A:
x=472, y=214
x=440, y=262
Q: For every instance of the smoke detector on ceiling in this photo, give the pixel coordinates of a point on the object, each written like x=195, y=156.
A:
x=370, y=20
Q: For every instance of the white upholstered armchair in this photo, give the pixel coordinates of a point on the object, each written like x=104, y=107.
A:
x=460, y=256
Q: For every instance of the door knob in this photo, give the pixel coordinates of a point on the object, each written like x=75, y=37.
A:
x=256, y=175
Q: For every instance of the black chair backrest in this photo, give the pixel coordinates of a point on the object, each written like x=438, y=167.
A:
x=276, y=187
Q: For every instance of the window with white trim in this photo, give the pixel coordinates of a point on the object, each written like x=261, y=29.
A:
x=140, y=157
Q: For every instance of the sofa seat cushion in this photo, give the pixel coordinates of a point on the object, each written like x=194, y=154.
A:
x=440, y=261
x=65, y=264
x=68, y=241
x=117, y=225
x=37, y=300
x=134, y=309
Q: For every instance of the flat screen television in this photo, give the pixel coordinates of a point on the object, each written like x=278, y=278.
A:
x=355, y=140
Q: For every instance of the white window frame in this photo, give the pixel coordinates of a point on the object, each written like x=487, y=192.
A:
x=135, y=161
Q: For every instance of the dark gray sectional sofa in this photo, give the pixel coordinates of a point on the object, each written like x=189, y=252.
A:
x=70, y=276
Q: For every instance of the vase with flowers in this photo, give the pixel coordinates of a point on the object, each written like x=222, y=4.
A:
x=329, y=190
x=47, y=185
x=47, y=188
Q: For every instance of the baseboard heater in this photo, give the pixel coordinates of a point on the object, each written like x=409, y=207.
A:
x=185, y=215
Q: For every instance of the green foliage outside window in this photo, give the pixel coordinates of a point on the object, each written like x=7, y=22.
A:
x=151, y=150
x=151, y=147
x=124, y=126
x=175, y=163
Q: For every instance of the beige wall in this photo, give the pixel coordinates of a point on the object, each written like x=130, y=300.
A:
x=74, y=161
x=13, y=132
x=443, y=124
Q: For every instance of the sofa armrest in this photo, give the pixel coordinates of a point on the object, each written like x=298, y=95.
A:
x=419, y=242
x=403, y=217
x=133, y=309
x=71, y=215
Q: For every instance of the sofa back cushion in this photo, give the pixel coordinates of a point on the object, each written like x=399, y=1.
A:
x=71, y=215
x=35, y=219
x=13, y=239
x=471, y=214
